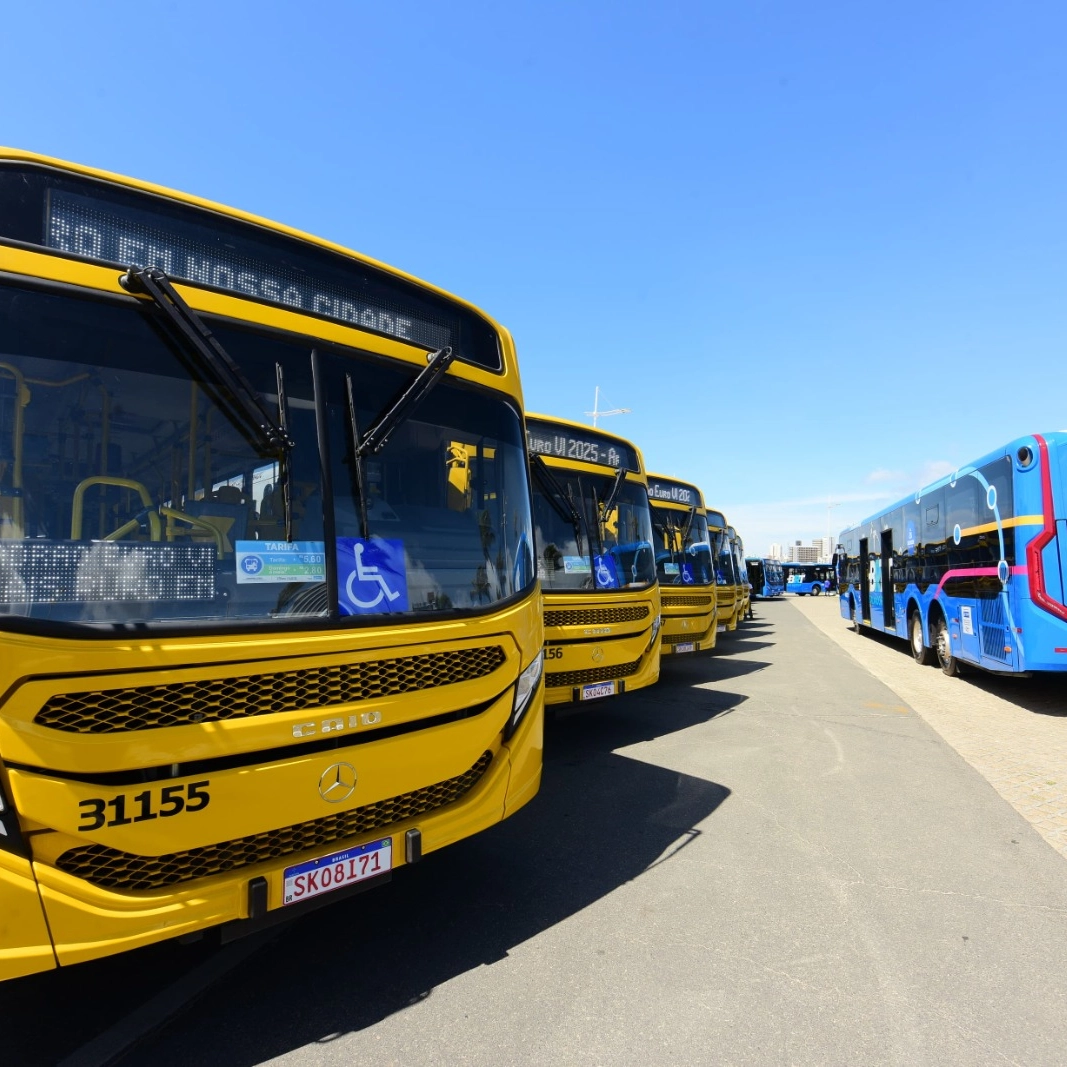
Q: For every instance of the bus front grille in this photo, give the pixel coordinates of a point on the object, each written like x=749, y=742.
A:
x=670, y=601
x=111, y=869
x=595, y=616
x=681, y=639
x=151, y=707
x=594, y=674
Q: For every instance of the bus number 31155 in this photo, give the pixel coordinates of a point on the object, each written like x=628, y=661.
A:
x=170, y=801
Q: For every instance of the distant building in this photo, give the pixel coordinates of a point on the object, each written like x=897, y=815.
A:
x=775, y=551
x=799, y=553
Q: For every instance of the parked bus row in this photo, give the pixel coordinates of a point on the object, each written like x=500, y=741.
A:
x=282, y=560
x=971, y=570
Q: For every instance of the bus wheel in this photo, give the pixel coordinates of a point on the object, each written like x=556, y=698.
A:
x=949, y=664
x=855, y=618
x=919, y=651
x=816, y=590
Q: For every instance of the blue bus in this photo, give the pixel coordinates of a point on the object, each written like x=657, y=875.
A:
x=971, y=569
x=765, y=576
x=809, y=578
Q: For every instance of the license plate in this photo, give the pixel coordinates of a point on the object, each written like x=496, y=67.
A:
x=601, y=689
x=686, y=646
x=315, y=877
x=721, y=628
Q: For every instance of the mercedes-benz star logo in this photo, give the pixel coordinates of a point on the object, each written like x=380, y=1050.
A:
x=338, y=782
x=598, y=654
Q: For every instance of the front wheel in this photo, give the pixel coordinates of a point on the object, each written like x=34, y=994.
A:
x=919, y=650
x=855, y=618
x=816, y=590
x=949, y=664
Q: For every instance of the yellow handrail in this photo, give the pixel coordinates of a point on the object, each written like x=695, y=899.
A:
x=192, y=520
x=22, y=398
x=154, y=525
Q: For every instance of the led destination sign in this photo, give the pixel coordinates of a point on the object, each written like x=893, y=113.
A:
x=85, y=227
x=111, y=224
x=102, y=572
x=673, y=492
x=564, y=442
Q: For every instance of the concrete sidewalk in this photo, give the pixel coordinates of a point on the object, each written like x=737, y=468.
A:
x=1013, y=731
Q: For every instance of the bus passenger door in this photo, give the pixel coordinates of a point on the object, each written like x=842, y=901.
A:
x=865, y=581
x=889, y=605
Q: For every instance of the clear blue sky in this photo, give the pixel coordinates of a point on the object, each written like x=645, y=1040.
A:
x=820, y=249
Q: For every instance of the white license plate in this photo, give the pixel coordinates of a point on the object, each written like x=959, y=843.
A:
x=686, y=646
x=595, y=692
x=721, y=628
x=315, y=877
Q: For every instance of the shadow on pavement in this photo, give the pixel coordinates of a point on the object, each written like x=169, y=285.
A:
x=1042, y=694
x=600, y=821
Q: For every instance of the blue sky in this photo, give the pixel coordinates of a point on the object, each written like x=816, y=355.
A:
x=820, y=249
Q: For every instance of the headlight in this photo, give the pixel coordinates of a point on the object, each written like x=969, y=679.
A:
x=524, y=691
x=655, y=631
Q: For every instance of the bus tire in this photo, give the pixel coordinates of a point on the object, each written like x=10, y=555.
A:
x=816, y=590
x=920, y=651
x=854, y=617
x=950, y=666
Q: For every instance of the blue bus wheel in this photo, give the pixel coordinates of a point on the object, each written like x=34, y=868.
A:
x=919, y=651
x=949, y=664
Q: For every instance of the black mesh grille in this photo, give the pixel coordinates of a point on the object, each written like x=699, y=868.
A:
x=595, y=616
x=681, y=639
x=594, y=674
x=671, y=601
x=111, y=869
x=152, y=706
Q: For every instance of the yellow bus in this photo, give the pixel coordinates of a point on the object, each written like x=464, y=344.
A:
x=744, y=608
x=688, y=593
x=595, y=559
x=727, y=575
x=269, y=618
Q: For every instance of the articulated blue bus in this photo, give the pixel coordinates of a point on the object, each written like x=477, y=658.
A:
x=765, y=576
x=972, y=568
x=813, y=578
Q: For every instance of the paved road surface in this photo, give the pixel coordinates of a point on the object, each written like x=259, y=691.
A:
x=770, y=858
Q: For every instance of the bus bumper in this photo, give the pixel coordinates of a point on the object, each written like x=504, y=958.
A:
x=88, y=921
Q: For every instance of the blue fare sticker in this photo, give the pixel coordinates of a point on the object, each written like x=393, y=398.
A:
x=576, y=565
x=371, y=576
x=607, y=577
x=687, y=574
x=280, y=562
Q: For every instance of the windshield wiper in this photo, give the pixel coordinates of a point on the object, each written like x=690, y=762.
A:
x=376, y=437
x=388, y=421
x=357, y=462
x=688, y=524
x=242, y=400
x=285, y=474
x=557, y=498
x=609, y=504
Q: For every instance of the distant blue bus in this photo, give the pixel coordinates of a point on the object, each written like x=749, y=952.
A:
x=973, y=568
x=765, y=576
x=809, y=578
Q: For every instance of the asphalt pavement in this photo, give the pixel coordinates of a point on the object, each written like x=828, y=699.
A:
x=769, y=858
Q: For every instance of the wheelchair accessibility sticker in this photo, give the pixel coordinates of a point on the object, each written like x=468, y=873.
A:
x=607, y=577
x=687, y=574
x=371, y=576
